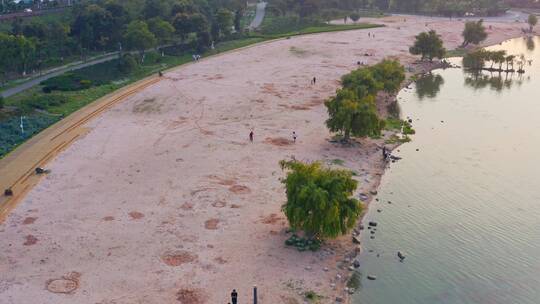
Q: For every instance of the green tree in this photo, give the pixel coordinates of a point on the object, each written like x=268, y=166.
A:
x=224, y=20
x=389, y=73
x=362, y=82
x=155, y=8
x=353, y=116
x=161, y=29
x=319, y=199
x=138, y=37
x=186, y=23
x=532, y=21
x=429, y=45
x=92, y=26
x=474, y=32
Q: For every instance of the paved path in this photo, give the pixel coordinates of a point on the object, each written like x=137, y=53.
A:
x=259, y=15
x=58, y=71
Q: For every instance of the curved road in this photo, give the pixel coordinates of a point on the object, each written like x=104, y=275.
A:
x=259, y=15
x=59, y=71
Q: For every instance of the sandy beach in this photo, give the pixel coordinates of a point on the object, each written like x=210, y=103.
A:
x=165, y=200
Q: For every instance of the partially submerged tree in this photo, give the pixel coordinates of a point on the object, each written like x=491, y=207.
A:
x=532, y=21
x=474, y=32
x=429, y=45
x=319, y=199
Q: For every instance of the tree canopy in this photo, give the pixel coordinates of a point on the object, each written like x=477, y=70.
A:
x=352, y=111
x=474, y=32
x=319, y=199
x=429, y=45
x=97, y=26
x=139, y=37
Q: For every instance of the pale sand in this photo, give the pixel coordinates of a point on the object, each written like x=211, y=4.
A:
x=166, y=194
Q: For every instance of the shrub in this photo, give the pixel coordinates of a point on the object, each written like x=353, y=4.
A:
x=43, y=102
x=2, y=102
x=127, y=64
x=66, y=82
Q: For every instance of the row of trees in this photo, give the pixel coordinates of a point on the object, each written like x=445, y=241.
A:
x=478, y=59
x=11, y=6
x=319, y=199
x=445, y=7
x=108, y=25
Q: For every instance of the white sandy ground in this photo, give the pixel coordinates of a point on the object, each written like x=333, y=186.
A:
x=143, y=190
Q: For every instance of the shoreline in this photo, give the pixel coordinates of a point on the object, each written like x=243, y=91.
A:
x=355, y=249
x=215, y=216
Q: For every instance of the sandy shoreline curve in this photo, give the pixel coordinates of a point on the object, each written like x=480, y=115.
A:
x=164, y=200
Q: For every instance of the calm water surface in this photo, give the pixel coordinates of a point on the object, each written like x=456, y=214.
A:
x=466, y=206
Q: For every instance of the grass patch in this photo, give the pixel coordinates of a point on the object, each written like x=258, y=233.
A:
x=312, y=296
x=303, y=244
x=394, y=139
x=459, y=52
x=338, y=162
x=354, y=281
x=403, y=126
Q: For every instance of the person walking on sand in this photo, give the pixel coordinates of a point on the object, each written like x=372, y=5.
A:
x=314, y=80
x=294, y=136
x=234, y=297
x=251, y=136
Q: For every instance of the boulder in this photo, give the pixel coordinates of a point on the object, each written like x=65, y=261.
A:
x=373, y=224
x=356, y=264
x=371, y=277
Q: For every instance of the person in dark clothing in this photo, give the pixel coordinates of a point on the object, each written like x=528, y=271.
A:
x=251, y=136
x=234, y=297
x=384, y=153
x=314, y=80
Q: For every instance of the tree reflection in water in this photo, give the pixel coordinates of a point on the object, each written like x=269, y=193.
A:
x=494, y=81
x=429, y=85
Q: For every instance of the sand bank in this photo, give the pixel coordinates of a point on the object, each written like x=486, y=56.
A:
x=164, y=200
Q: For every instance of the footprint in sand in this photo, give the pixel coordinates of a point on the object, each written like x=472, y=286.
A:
x=29, y=220
x=211, y=224
x=178, y=258
x=30, y=240
x=136, y=215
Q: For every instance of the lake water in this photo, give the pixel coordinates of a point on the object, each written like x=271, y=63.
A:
x=466, y=206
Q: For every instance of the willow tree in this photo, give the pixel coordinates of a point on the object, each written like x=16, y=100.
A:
x=390, y=74
x=354, y=116
x=319, y=199
x=474, y=32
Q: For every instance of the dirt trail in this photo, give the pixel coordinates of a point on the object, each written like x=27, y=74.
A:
x=163, y=199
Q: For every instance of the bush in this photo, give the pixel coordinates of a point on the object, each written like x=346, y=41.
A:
x=127, y=64
x=2, y=102
x=44, y=102
x=85, y=83
x=66, y=82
